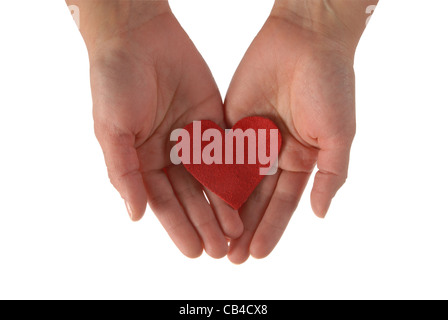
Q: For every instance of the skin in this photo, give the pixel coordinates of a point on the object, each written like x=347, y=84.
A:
x=298, y=72
x=148, y=79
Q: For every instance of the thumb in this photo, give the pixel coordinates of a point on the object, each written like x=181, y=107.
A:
x=123, y=167
x=332, y=162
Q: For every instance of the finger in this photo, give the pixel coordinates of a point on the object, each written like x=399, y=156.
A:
x=229, y=219
x=123, y=168
x=332, y=163
x=284, y=201
x=251, y=214
x=171, y=215
x=191, y=196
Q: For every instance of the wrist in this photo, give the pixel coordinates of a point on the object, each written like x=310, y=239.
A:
x=103, y=20
x=339, y=21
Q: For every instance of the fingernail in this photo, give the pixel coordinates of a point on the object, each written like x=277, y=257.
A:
x=128, y=207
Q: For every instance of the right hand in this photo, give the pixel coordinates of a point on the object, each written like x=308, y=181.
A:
x=148, y=79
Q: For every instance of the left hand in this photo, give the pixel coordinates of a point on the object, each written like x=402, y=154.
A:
x=303, y=81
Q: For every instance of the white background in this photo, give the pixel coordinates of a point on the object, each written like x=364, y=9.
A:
x=64, y=231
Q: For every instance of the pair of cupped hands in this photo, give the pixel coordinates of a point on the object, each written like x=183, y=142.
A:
x=148, y=79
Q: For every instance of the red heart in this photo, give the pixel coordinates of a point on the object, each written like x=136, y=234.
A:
x=234, y=182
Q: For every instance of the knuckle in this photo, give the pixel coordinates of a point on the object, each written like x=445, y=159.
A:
x=110, y=131
x=273, y=224
x=288, y=199
x=203, y=222
x=159, y=202
x=187, y=193
x=260, y=194
x=346, y=138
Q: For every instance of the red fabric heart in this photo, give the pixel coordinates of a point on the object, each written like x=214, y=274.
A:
x=233, y=183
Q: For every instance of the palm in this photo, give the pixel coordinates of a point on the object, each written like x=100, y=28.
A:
x=308, y=90
x=154, y=83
